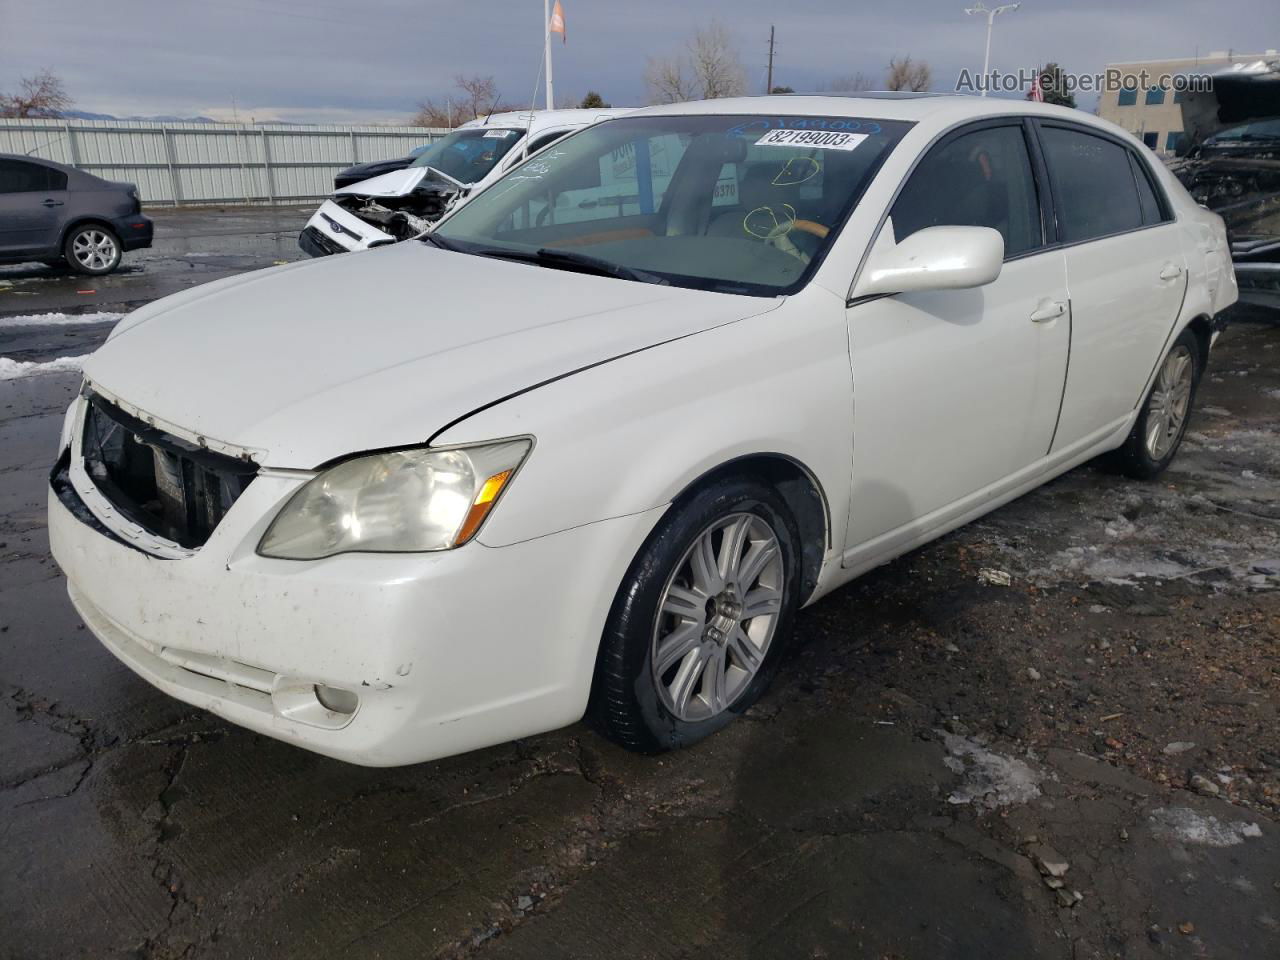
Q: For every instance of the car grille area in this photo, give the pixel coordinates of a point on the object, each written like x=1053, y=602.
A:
x=319, y=244
x=170, y=487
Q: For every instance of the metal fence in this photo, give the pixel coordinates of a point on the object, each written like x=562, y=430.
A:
x=195, y=163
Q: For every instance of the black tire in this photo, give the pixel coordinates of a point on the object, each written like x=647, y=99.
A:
x=88, y=233
x=1135, y=458
x=625, y=703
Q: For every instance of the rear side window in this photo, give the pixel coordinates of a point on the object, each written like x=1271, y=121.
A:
x=57, y=179
x=978, y=179
x=1147, y=200
x=1094, y=186
x=19, y=177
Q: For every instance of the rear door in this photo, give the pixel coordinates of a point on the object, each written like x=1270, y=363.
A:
x=956, y=390
x=1126, y=274
x=32, y=198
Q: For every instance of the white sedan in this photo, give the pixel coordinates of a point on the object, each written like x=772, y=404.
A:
x=588, y=446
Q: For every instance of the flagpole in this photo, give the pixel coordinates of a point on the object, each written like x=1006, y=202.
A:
x=546, y=27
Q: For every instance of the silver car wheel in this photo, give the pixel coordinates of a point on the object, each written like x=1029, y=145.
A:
x=95, y=249
x=1170, y=399
x=717, y=616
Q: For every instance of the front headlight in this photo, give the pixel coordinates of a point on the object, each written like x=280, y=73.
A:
x=405, y=501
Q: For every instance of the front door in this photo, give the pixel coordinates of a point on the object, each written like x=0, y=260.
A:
x=30, y=207
x=956, y=390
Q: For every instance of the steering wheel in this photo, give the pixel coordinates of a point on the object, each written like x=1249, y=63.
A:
x=779, y=227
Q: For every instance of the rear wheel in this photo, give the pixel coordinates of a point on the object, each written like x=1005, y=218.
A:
x=92, y=249
x=699, y=623
x=1160, y=427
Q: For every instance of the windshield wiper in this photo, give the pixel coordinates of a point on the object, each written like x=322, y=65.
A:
x=589, y=264
x=435, y=241
x=569, y=260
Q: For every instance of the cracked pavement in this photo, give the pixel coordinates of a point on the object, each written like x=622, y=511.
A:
x=933, y=749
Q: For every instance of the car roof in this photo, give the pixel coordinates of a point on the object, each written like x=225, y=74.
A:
x=40, y=160
x=76, y=178
x=544, y=119
x=942, y=109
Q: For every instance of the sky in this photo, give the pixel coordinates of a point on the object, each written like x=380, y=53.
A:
x=372, y=61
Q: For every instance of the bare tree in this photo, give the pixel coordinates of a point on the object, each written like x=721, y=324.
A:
x=715, y=63
x=40, y=96
x=849, y=83
x=668, y=81
x=431, y=114
x=908, y=74
x=707, y=69
x=479, y=94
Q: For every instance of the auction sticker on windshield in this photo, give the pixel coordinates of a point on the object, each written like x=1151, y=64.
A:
x=822, y=139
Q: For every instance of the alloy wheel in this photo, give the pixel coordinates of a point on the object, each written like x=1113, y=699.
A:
x=1170, y=402
x=95, y=249
x=717, y=616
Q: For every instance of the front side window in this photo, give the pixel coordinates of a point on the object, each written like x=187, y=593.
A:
x=978, y=179
x=19, y=177
x=468, y=155
x=1094, y=188
x=740, y=204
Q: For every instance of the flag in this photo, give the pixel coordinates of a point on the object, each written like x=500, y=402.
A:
x=1037, y=88
x=557, y=22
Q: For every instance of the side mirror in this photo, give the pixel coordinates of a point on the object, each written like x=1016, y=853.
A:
x=935, y=258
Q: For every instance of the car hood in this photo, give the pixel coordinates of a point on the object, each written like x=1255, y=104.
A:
x=397, y=183
x=303, y=363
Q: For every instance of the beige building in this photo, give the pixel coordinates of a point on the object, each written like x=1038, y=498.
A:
x=1153, y=114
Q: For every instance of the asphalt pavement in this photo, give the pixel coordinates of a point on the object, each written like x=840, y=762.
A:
x=1054, y=733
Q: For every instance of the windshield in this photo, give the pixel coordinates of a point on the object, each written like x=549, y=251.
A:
x=742, y=204
x=1262, y=130
x=467, y=155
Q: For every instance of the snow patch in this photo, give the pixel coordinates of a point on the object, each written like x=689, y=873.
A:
x=57, y=319
x=991, y=779
x=1186, y=826
x=18, y=369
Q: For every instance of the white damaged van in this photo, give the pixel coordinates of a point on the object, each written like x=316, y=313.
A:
x=403, y=203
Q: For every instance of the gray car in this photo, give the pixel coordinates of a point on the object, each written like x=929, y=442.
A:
x=59, y=215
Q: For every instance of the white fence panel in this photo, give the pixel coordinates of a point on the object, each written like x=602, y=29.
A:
x=194, y=163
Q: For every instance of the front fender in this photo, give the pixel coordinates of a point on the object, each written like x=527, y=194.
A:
x=629, y=435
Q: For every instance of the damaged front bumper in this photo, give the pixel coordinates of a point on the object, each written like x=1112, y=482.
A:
x=375, y=659
x=332, y=229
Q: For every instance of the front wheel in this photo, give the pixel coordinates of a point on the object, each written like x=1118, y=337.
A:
x=1161, y=425
x=92, y=250
x=699, y=623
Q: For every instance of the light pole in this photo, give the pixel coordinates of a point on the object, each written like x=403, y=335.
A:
x=991, y=18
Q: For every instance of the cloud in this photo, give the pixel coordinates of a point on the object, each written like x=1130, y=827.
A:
x=334, y=61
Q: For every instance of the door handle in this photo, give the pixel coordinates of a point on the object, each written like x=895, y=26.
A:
x=51, y=202
x=1051, y=310
x=1170, y=271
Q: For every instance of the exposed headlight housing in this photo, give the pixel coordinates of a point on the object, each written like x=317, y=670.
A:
x=403, y=501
